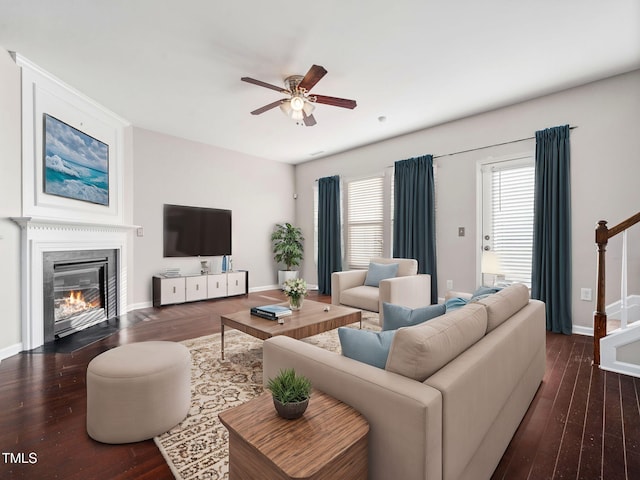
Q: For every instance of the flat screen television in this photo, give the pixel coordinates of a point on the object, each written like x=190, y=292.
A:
x=196, y=231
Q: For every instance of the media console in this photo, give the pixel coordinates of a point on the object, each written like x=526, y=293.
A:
x=191, y=288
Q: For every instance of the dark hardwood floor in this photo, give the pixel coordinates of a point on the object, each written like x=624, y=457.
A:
x=583, y=423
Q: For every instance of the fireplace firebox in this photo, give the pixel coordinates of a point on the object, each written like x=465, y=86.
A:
x=80, y=290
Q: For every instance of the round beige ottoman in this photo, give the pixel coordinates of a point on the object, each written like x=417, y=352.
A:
x=138, y=391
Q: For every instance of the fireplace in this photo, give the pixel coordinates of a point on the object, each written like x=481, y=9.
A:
x=80, y=290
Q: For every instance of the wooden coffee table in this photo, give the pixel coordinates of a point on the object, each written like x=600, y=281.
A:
x=310, y=320
x=330, y=441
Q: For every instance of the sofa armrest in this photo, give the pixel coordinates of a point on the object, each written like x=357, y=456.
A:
x=342, y=280
x=405, y=416
x=412, y=291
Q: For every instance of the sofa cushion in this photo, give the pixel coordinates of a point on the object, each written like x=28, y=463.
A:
x=504, y=304
x=380, y=271
x=362, y=297
x=365, y=345
x=397, y=316
x=419, y=351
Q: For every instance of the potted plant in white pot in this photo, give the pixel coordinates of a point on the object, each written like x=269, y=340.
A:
x=288, y=249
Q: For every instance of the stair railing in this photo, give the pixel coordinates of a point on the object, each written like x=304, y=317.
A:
x=603, y=234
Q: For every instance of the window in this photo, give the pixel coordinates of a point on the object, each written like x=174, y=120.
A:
x=507, y=218
x=365, y=221
x=367, y=215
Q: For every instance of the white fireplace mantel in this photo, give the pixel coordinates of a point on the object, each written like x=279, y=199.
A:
x=41, y=234
x=44, y=222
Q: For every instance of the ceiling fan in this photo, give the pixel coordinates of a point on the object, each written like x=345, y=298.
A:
x=299, y=103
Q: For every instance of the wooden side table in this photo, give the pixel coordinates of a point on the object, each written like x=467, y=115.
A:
x=330, y=441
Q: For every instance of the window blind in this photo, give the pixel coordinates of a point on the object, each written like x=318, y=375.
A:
x=365, y=221
x=512, y=195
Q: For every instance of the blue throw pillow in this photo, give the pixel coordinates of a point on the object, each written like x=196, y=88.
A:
x=365, y=345
x=484, y=291
x=396, y=316
x=455, y=303
x=380, y=271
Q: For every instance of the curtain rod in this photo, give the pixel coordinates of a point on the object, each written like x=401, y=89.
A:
x=482, y=148
x=489, y=146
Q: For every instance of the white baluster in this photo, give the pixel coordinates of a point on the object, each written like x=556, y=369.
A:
x=623, y=284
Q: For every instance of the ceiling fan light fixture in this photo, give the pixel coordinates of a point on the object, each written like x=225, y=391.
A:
x=297, y=103
x=308, y=108
x=285, y=106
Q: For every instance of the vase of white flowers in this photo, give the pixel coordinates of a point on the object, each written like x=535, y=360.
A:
x=296, y=290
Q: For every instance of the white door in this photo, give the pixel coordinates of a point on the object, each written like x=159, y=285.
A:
x=507, y=200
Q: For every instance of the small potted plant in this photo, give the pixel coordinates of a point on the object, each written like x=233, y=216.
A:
x=295, y=289
x=288, y=249
x=291, y=393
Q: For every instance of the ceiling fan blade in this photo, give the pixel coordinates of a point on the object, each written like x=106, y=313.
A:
x=309, y=120
x=260, y=83
x=267, y=107
x=336, y=102
x=313, y=76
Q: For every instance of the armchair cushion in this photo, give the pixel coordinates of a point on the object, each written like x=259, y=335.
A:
x=366, y=346
x=380, y=271
x=397, y=316
x=363, y=297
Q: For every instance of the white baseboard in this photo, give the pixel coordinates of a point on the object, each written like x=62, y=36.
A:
x=277, y=287
x=138, y=306
x=264, y=288
x=10, y=351
x=580, y=330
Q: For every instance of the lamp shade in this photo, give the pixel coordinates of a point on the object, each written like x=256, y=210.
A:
x=491, y=263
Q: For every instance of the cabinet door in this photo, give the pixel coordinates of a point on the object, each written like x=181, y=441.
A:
x=196, y=288
x=236, y=283
x=217, y=286
x=172, y=291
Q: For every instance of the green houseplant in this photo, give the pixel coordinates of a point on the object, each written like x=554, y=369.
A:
x=291, y=393
x=288, y=249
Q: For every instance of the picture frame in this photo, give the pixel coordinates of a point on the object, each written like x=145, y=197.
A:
x=75, y=164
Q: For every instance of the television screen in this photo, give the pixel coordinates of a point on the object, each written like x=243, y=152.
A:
x=75, y=165
x=196, y=231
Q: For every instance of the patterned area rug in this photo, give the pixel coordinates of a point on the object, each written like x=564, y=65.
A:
x=197, y=448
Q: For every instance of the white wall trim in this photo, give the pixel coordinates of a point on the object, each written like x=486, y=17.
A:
x=42, y=93
x=581, y=330
x=264, y=288
x=609, y=351
x=10, y=351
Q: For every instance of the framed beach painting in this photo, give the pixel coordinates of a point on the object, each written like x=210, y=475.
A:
x=76, y=165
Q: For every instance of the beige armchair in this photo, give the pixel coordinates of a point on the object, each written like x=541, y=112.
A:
x=407, y=288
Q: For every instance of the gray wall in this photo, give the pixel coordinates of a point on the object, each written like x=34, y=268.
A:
x=173, y=170
x=10, y=201
x=605, y=169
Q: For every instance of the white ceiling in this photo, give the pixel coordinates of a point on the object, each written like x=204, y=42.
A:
x=175, y=66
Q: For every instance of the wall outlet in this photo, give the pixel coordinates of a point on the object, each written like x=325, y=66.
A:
x=585, y=294
x=449, y=284
x=461, y=231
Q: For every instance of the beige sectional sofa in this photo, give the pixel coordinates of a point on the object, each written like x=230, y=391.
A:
x=453, y=391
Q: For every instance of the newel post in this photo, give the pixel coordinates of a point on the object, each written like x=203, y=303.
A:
x=600, y=315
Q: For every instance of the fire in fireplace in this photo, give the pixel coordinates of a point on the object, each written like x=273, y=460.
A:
x=80, y=290
x=78, y=294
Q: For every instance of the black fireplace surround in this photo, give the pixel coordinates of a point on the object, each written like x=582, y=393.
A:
x=80, y=290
